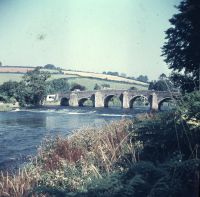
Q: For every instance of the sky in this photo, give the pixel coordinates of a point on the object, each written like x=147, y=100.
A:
x=88, y=35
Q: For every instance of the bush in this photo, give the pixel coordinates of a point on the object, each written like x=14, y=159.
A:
x=189, y=105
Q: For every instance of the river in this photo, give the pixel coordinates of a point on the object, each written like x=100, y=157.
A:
x=21, y=132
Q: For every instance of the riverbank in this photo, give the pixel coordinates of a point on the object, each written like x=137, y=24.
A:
x=5, y=107
x=129, y=157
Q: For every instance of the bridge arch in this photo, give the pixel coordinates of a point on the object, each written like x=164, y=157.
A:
x=133, y=99
x=83, y=100
x=166, y=99
x=64, y=101
x=108, y=98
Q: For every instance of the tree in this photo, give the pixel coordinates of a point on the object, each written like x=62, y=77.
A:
x=1, y=64
x=163, y=76
x=105, y=85
x=151, y=85
x=49, y=66
x=34, y=84
x=9, y=88
x=58, y=86
x=77, y=86
x=123, y=75
x=182, y=48
x=160, y=85
x=133, y=88
x=97, y=87
x=143, y=78
x=185, y=83
x=113, y=73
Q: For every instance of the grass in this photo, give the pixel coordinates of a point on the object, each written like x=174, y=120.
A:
x=10, y=76
x=59, y=76
x=88, y=82
x=18, y=76
x=7, y=107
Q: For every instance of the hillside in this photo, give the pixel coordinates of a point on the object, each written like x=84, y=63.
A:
x=105, y=77
x=88, y=79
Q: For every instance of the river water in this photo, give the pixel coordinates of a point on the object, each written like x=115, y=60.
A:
x=21, y=132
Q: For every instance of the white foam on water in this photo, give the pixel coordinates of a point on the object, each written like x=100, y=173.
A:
x=116, y=115
x=81, y=113
x=15, y=110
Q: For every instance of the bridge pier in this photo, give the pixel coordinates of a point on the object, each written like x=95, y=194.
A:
x=99, y=100
x=125, y=100
x=73, y=100
x=153, y=102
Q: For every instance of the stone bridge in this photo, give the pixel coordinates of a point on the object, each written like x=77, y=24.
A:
x=101, y=98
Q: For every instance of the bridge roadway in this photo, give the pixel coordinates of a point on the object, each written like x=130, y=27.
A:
x=101, y=98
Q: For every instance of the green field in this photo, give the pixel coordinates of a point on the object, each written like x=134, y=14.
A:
x=18, y=76
x=10, y=76
x=89, y=83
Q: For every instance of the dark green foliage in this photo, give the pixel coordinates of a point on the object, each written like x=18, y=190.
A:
x=58, y=86
x=9, y=88
x=140, y=178
x=160, y=85
x=111, y=73
x=50, y=66
x=49, y=191
x=182, y=48
x=3, y=98
x=190, y=105
x=77, y=86
x=145, y=179
x=163, y=76
x=34, y=83
x=12, y=91
x=142, y=78
x=182, y=179
x=185, y=83
x=133, y=88
x=108, y=186
x=97, y=87
x=105, y=85
x=167, y=137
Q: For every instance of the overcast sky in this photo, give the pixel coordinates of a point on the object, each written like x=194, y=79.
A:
x=92, y=35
